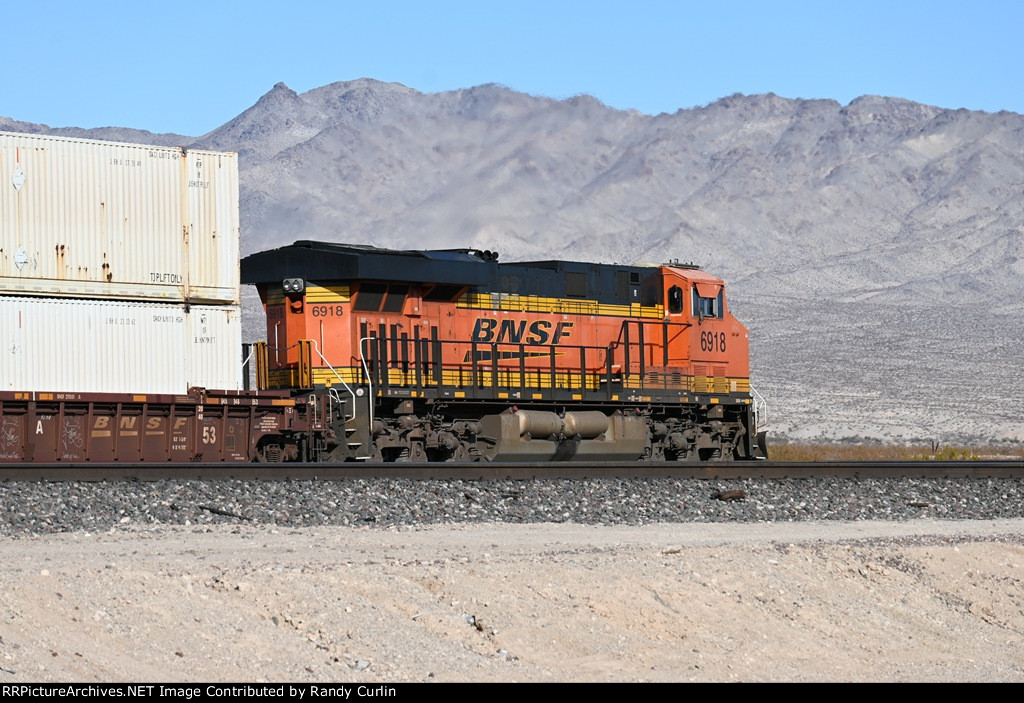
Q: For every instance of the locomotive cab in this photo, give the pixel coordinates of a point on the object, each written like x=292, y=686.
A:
x=715, y=344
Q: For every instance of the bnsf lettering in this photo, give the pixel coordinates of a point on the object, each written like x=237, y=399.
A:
x=483, y=331
x=563, y=330
x=537, y=332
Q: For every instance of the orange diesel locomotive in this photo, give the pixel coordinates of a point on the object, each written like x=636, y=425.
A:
x=450, y=355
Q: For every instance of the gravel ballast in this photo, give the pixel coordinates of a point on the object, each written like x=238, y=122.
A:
x=34, y=508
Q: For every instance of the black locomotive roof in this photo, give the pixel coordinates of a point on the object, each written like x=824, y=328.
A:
x=324, y=261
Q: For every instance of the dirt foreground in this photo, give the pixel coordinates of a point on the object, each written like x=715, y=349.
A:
x=837, y=601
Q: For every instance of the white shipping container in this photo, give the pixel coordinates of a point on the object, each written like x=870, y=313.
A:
x=93, y=219
x=66, y=345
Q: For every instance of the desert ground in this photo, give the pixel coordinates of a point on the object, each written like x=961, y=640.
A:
x=826, y=601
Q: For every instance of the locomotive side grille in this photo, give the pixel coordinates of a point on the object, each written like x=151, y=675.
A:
x=622, y=284
x=327, y=294
x=532, y=303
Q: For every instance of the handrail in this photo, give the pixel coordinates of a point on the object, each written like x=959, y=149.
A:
x=335, y=372
x=760, y=408
x=369, y=382
x=482, y=364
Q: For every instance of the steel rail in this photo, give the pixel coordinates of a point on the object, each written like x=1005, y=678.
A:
x=97, y=471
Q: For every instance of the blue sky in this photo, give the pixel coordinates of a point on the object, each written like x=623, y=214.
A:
x=190, y=67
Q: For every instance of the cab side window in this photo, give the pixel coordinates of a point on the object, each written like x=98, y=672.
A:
x=675, y=300
x=706, y=307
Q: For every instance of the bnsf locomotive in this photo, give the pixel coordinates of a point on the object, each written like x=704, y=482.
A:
x=451, y=356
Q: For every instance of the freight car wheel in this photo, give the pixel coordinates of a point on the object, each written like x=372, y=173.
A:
x=268, y=451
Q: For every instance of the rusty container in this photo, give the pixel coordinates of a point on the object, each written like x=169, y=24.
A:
x=91, y=219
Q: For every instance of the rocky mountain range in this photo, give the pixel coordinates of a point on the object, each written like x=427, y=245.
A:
x=875, y=250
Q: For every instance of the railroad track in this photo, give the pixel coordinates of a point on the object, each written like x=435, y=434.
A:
x=498, y=471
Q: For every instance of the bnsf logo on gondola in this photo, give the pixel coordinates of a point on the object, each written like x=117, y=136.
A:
x=488, y=329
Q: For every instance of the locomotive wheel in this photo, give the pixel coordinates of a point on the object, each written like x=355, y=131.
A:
x=464, y=452
x=416, y=454
x=410, y=453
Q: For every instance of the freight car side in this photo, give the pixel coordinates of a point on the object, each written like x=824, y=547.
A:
x=203, y=425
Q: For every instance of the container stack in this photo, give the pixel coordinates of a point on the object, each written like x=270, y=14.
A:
x=118, y=267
